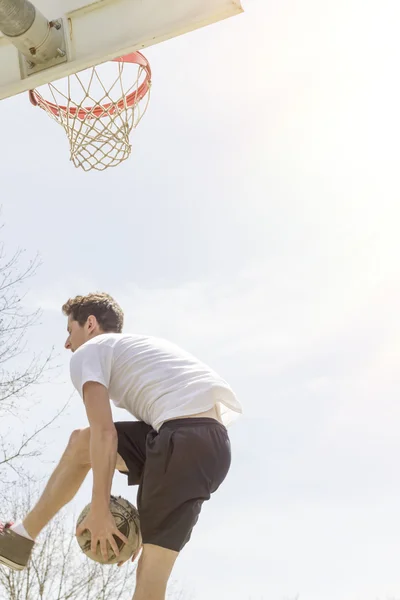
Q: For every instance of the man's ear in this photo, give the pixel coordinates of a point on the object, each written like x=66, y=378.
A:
x=91, y=323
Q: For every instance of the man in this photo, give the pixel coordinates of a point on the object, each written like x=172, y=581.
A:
x=178, y=450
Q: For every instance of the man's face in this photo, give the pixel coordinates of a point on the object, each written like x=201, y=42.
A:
x=77, y=334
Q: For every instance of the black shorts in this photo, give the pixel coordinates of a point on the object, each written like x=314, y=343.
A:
x=177, y=469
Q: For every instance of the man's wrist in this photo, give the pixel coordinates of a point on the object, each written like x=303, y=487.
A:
x=100, y=504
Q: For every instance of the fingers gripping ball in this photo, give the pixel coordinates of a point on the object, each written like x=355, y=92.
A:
x=127, y=520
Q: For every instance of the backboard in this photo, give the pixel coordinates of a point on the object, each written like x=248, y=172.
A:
x=100, y=30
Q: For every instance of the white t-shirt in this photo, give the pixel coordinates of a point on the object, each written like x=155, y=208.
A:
x=153, y=379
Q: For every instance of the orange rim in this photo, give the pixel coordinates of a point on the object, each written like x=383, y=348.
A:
x=97, y=110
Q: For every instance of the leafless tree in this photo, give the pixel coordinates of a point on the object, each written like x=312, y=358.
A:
x=20, y=370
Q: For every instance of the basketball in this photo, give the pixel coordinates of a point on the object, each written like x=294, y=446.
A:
x=127, y=520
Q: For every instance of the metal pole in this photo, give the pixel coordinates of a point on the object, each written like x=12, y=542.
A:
x=16, y=17
x=39, y=40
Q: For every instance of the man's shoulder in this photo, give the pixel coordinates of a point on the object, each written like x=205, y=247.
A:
x=109, y=339
x=117, y=344
x=107, y=343
x=96, y=346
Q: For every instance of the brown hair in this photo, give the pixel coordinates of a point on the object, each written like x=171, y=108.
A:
x=108, y=313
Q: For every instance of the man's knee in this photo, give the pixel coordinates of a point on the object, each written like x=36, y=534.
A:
x=156, y=562
x=78, y=448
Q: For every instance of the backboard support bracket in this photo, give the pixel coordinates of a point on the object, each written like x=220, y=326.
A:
x=29, y=68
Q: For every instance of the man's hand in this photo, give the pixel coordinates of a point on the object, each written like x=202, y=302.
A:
x=102, y=529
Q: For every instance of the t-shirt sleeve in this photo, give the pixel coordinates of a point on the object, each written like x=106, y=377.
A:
x=91, y=362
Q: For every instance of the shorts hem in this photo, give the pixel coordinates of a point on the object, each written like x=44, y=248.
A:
x=165, y=545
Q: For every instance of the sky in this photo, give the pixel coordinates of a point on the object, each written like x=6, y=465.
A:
x=256, y=224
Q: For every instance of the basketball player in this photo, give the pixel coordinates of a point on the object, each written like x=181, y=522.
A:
x=177, y=452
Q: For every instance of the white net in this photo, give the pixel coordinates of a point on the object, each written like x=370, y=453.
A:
x=98, y=108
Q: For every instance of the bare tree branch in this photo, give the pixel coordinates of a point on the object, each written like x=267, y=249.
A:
x=7, y=459
x=20, y=371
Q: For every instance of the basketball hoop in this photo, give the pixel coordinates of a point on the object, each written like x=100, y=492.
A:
x=96, y=117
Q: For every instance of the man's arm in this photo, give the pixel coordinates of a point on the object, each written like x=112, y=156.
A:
x=103, y=443
x=103, y=456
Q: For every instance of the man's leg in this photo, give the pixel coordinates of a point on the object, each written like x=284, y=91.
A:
x=63, y=484
x=153, y=572
x=186, y=461
x=74, y=465
x=15, y=546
